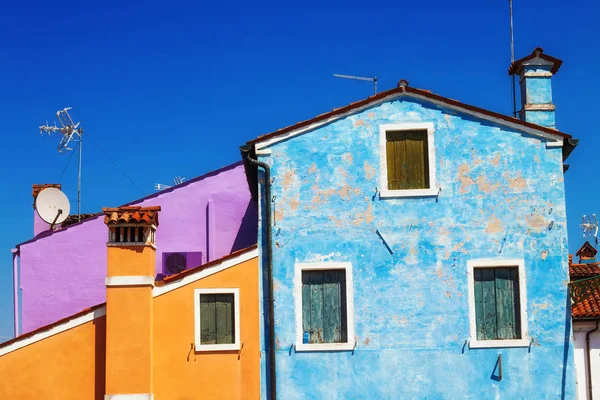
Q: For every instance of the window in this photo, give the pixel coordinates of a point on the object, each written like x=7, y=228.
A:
x=324, y=308
x=407, y=160
x=497, y=299
x=217, y=319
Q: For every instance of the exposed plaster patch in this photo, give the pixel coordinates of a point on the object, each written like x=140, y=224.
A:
x=465, y=181
x=367, y=341
x=313, y=168
x=369, y=171
x=342, y=172
x=288, y=179
x=294, y=203
x=494, y=225
x=371, y=115
x=278, y=215
x=344, y=192
x=536, y=222
x=544, y=254
x=484, y=186
x=496, y=159
x=358, y=123
x=348, y=158
x=517, y=183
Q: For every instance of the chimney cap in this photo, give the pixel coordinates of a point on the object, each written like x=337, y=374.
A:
x=131, y=215
x=515, y=67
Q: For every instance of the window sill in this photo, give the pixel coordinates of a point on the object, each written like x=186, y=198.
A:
x=483, y=344
x=325, y=347
x=385, y=193
x=217, y=347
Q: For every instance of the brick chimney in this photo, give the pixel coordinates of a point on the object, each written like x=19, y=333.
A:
x=39, y=225
x=131, y=261
x=535, y=77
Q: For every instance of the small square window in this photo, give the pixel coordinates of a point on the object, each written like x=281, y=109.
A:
x=217, y=319
x=497, y=299
x=407, y=160
x=324, y=306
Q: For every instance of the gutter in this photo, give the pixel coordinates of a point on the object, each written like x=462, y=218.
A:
x=589, y=361
x=252, y=166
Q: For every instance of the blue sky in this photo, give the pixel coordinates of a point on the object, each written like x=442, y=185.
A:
x=171, y=88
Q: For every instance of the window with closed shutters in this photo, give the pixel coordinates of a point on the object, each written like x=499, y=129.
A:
x=407, y=160
x=324, y=310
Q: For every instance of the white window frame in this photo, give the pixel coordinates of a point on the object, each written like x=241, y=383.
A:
x=384, y=191
x=497, y=263
x=324, y=266
x=236, y=305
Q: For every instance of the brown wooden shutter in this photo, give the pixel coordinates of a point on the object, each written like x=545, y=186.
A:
x=407, y=160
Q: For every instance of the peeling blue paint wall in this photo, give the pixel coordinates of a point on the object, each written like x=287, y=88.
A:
x=502, y=196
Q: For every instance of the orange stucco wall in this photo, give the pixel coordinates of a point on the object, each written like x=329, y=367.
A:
x=129, y=316
x=71, y=364
x=182, y=373
x=66, y=366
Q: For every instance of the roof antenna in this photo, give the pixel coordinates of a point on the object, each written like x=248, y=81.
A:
x=360, y=78
x=589, y=225
x=69, y=131
x=512, y=59
x=178, y=180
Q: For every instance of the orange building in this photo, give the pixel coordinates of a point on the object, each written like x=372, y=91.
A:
x=194, y=335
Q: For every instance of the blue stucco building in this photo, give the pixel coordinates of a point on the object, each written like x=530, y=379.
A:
x=418, y=249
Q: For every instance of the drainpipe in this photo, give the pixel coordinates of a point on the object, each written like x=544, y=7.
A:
x=15, y=255
x=589, y=361
x=246, y=153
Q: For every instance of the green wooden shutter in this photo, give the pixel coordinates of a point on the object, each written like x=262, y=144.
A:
x=217, y=318
x=324, y=306
x=407, y=160
x=497, y=307
x=208, y=328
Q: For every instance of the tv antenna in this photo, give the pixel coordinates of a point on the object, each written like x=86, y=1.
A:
x=70, y=131
x=52, y=205
x=589, y=225
x=360, y=78
x=177, y=181
x=512, y=58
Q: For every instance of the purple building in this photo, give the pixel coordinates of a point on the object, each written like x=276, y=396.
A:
x=62, y=272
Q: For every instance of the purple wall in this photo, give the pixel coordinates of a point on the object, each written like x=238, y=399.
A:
x=64, y=272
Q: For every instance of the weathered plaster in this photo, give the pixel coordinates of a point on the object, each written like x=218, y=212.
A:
x=63, y=273
x=502, y=195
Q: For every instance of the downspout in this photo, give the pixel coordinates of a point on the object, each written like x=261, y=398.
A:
x=16, y=254
x=589, y=361
x=246, y=152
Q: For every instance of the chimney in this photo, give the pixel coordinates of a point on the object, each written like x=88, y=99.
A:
x=586, y=253
x=535, y=77
x=131, y=263
x=39, y=225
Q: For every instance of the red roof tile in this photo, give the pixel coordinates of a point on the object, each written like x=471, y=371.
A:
x=131, y=215
x=584, y=270
x=404, y=88
x=585, y=296
x=538, y=52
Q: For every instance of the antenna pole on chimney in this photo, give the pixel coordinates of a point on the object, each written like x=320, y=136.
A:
x=512, y=59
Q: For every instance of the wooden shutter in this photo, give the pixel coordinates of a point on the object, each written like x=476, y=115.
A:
x=497, y=308
x=407, y=160
x=324, y=306
x=217, y=318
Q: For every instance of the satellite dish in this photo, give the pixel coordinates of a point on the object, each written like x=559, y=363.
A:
x=52, y=206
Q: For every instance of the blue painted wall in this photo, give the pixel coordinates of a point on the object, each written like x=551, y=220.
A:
x=502, y=195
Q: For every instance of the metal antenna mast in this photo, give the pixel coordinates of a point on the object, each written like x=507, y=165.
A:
x=177, y=181
x=589, y=226
x=360, y=78
x=69, y=131
x=512, y=59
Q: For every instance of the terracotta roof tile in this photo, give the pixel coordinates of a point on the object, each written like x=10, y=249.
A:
x=584, y=270
x=585, y=296
x=131, y=215
x=74, y=219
